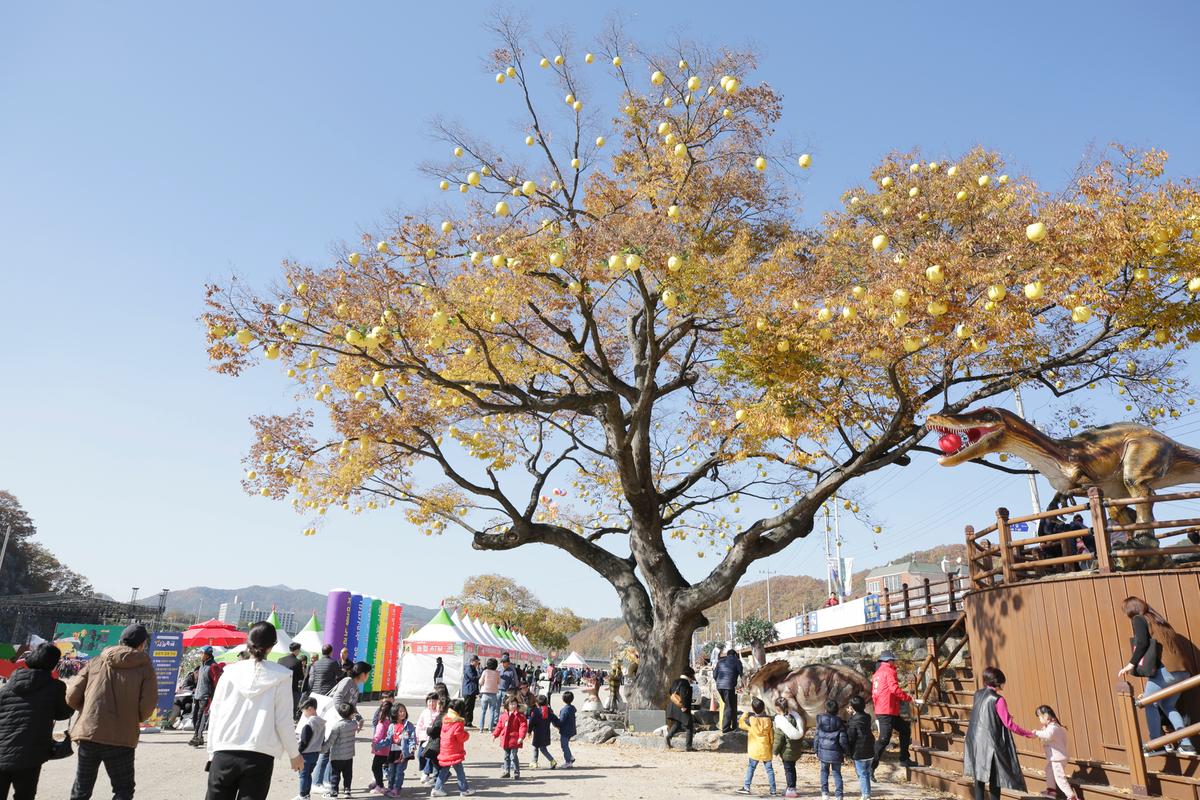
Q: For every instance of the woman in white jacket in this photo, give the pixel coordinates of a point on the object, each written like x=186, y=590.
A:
x=250, y=722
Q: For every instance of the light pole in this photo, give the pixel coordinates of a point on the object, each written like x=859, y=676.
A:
x=767, y=572
x=951, y=570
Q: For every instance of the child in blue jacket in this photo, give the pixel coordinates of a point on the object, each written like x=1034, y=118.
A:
x=541, y=718
x=831, y=744
x=403, y=736
x=566, y=728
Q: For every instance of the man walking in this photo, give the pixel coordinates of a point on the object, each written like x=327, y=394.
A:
x=726, y=675
x=887, y=695
x=113, y=694
x=292, y=661
x=508, y=676
x=325, y=673
x=207, y=675
x=470, y=689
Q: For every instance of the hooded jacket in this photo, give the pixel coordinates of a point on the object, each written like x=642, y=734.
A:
x=760, y=735
x=540, y=720
x=830, y=741
x=310, y=731
x=511, y=729
x=886, y=693
x=727, y=671
x=29, y=703
x=113, y=694
x=859, y=736
x=454, y=740
x=252, y=710
x=789, y=733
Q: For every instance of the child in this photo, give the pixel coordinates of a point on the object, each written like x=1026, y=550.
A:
x=424, y=764
x=339, y=744
x=1054, y=738
x=760, y=741
x=452, y=751
x=789, y=730
x=310, y=731
x=860, y=743
x=381, y=746
x=403, y=737
x=511, y=730
x=540, y=720
x=831, y=746
x=566, y=727
x=386, y=699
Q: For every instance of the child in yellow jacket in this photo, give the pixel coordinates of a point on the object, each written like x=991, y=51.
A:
x=760, y=741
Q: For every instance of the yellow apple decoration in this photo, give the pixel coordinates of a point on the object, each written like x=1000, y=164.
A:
x=272, y=351
x=740, y=415
x=657, y=78
x=996, y=293
x=693, y=83
x=244, y=336
x=443, y=185
x=731, y=86
x=983, y=180
x=529, y=140
x=499, y=77
x=284, y=308
x=633, y=261
x=899, y=318
x=901, y=298
x=824, y=314
x=914, y=168
x=858, y=292
x=1081, y=314
x=670, y=298
x=760, y=163
x=879, y=243
x=458, y=151
x=575, y=163
x=499, y=261
x=911, y=343
x=963, y=331
x=914, y=192
x=936, y=308
x=952, y=171
x=849, y=313
x=355, y=337
x=447, y=226
x=1035, y=290
x=961, y=195
x=805, y=161
x=615, y=262
x=558, y=60
x=570, y=98
x=616, y=62
x=1002, y=180
x=577, y=105
x=673, y=212
x=353, y=258
x=978, y=345
x=674, y=263
x=783, y=345
x=1193, y=285
x=502, y=209
x=556, y=259
x=588, y=58
x=496, y=318
x=377, y=379
x=473, y=178
x=600, y=141
x=575, y=286
x=529, y=188
x=251, y=475
x=1035, y=232
x=886, y=183
x=935, y=274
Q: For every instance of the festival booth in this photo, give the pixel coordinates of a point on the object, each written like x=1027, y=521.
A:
x=282, y=641
x=309, y=637
x=440, y=638
x=573, y=661
x=485, y=646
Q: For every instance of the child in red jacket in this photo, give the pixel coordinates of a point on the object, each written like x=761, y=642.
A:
x=511, y=730
x=453, y=751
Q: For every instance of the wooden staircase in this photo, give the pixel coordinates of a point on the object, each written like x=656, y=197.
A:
x=938, y=751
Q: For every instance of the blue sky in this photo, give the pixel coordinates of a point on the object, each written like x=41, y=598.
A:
x=147, y=148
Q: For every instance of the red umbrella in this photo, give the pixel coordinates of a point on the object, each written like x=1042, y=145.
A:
x=213, y=632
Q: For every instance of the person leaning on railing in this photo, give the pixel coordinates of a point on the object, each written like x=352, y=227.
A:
x=1158, y=657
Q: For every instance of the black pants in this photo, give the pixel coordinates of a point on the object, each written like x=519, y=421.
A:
x=378, y=762
x=239, y=775
x=729, y=721
x=469, y=716
x=789, y=774
x=888, y=723
x=199, y=716
x=117, y=761
x=343, y=769
x=23, y=782
x=993, y=785
x=674, y=726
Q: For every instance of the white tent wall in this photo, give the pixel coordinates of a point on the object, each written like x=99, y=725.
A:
x=416, y=673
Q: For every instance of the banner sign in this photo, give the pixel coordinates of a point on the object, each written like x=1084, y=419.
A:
x=166, y=651
x=435, y=648
x=92, y=638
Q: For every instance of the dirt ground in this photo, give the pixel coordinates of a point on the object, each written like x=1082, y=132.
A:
x=168, y=769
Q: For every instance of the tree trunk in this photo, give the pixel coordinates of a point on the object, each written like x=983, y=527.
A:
x=661, y=658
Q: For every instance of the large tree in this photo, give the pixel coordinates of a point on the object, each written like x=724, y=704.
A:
x=30, y=568
x=618, y=335
x=502, y=600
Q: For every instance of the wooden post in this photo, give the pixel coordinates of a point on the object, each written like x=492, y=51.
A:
x=1100, y=530
x=931, y=648
x=1131, y=733
x=928, y=598
x=951, y=582
x=887, y=604
x=1005, y=537
x=907, y=610
x=971, y=555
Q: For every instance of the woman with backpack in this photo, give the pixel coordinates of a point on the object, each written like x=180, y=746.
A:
x=29, y=704
x=1157, y=656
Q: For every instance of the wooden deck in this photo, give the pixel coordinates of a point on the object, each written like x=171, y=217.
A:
x=923, y=626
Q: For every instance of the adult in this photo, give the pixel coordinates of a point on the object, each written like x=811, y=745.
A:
x=833, y=600
x=989, y=754
x=346, y=691
x=679, y=709
x=439, y=671
x=292, y=662
x=113, y=694
x=726, y=675
x=29, y=704
x=508, y=676
x=886, y=696
x=324, y=674
x=1158, y=656
x=489, y=695
x=347, y=663
x=207, y=675
x=470, y=689
x=250, y=722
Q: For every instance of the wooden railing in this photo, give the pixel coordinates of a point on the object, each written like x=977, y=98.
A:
x=927, y=597
x=1008, y=560
x=1132, y=731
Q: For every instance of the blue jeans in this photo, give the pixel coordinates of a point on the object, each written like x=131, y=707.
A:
x=306, y=772
x=768, y=766
x=425, y=761
x=324, y=773
x=566, y=748
x=444, y=772
x=828, y=769
x=491, y=702
x=396, y=773
x=1161, y=680
x=863, y=768
x=512, y=761
x=544, y=751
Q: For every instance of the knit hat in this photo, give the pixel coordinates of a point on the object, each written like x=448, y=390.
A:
x=134, y=636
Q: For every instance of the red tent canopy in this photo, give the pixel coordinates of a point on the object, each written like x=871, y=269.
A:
x=213, y=632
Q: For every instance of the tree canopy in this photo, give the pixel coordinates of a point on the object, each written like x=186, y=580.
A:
x=496, y=598
x=29, y=567
x=619, y=332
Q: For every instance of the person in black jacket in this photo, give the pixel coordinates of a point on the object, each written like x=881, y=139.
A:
x=679, y=715
x=292, y=662
x=861, y=743
x=29, y=704
x=325, y=673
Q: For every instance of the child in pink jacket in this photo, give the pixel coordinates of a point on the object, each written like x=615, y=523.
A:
x=1054, y=739
x=381, y=748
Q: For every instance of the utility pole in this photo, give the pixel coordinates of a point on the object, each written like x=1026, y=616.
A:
x=769, y=615
x=828, y=555
x=1033, y=490
x=837, y=538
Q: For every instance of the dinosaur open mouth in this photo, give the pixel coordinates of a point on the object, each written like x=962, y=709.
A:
x=961, y=444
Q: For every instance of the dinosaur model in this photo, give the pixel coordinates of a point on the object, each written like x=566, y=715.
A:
x=1124, y=459
x=807, y=688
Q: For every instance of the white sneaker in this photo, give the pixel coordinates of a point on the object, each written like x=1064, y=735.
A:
x=438, y=793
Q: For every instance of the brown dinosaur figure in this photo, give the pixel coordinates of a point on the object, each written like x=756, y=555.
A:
x=1124, y=459
x=807, y=688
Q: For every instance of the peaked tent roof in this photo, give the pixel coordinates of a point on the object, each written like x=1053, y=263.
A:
x=485, y=632
x=464, y=627
x=439, y=629
x=309, y=637
x=573, y=661
x=282, y=640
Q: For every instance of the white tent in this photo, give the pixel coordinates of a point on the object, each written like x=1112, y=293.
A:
x=488, y=648
x=310, y=637
x=440, y=638
x=573, y=661
x=282, y=640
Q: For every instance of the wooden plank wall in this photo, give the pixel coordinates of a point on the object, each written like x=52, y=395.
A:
x=1061, y=640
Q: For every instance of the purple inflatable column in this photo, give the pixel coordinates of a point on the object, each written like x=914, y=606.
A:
x=337, y=618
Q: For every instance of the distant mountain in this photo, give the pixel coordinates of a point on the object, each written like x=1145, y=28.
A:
x=203, y=602
x=790, y=595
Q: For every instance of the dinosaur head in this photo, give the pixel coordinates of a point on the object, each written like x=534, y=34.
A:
x=970, y=434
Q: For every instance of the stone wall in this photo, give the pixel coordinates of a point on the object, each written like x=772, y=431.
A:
x=863, y=655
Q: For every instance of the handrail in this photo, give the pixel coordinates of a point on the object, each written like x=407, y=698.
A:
x=1051, y=562
x=982, y=533
x=1156, y=524
x=1051, y=537
x=1182, y=549
x=1172, y=737
x=1050, y=513
x=1162, y=694
x=1158, y=498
